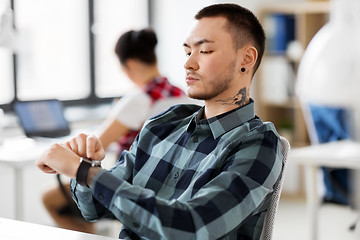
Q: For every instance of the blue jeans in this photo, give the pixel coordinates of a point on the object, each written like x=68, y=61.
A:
x=331, y=124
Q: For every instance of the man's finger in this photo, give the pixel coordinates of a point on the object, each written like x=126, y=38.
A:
x=81, y=141
x=91, y=146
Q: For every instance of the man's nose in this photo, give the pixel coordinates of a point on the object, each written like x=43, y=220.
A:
x=191, y=63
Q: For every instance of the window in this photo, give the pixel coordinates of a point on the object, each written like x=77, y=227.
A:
x=6, y=83
x=112, y=18
x=60, y=56
x=6, y=57
x=53, y=58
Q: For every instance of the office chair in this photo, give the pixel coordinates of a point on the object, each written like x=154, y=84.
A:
x=269, y=220
x=314, y=139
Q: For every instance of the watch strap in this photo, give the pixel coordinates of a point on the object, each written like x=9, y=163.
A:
x=82, y=172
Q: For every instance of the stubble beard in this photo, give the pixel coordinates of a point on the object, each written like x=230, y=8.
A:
x=217, y=86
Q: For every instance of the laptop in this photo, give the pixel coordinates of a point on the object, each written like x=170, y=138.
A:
x=42, y=118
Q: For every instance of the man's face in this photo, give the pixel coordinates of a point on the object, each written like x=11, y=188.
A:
x=211, y=62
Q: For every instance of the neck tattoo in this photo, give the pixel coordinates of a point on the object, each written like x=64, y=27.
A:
x=239, y=99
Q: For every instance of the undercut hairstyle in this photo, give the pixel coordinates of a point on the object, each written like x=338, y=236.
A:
x=242, y=24
x=138, y=45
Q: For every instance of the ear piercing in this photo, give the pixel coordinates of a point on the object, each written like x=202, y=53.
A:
x=243, y=69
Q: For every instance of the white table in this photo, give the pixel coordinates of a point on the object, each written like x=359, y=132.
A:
x=19, y=153
x=17, y=230
x=341, y=154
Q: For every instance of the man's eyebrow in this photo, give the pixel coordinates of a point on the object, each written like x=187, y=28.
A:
x=198, y=43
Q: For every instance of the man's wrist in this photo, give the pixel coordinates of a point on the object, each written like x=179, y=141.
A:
x=93, y=171
x=82, y=175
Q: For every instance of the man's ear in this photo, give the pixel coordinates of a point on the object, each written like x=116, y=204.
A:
x=249, y=55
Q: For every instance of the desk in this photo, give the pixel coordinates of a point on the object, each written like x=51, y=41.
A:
x=19, y=153
x=341, y=154
x=17, y=230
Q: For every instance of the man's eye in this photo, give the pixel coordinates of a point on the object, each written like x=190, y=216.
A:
x=187, y=54
x=206, y=52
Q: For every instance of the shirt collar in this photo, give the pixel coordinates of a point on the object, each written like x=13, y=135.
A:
x=155, y=82
x=225, y=122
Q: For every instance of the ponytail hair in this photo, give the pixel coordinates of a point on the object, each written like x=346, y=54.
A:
x=138, y=45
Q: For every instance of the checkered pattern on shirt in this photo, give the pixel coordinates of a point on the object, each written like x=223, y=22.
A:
x=190, y=178
x=159, y=88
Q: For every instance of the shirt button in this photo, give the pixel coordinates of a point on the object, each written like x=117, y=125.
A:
x=136, y=225
x=101, y=197
x=195, y=139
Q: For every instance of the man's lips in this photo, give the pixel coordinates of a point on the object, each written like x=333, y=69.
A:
x=190, y=79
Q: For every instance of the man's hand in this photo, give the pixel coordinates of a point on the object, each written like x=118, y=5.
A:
x=65, y=158
x=88, y=146
x=59, y=159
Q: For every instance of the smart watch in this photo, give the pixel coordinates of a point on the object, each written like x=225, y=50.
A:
x=82, y=172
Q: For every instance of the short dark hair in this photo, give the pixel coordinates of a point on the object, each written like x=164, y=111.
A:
x=138, y=45
x=242, y=25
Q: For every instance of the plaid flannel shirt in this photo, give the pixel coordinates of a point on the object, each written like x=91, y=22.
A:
x=186, y=177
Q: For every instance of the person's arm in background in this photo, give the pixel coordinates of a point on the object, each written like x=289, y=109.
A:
x=111, y=131
x=128, y=114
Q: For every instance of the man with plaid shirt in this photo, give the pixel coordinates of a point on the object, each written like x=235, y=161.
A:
x=192, y=172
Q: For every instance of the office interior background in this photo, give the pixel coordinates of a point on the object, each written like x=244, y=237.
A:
x=64, y=50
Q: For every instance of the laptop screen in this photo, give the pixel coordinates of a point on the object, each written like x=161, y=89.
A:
x=43, y=118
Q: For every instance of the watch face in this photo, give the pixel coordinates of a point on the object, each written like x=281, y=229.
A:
x=95, y=163
x=82, y=159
